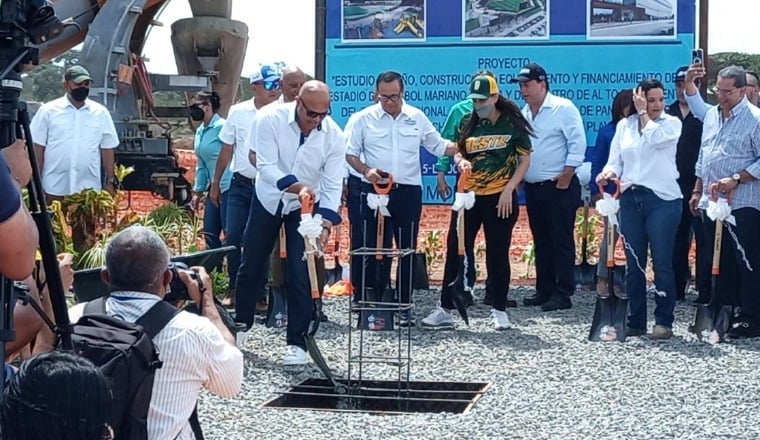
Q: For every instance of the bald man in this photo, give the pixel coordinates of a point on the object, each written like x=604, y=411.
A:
x=291, y=80
x=299, y=149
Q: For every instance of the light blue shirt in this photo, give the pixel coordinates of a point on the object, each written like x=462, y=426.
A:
x=728, y=147
x=207, y=148
x=559, y=139
x=697, y=106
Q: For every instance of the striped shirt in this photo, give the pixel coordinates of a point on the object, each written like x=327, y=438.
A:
x=195, y=356
x=728, y=147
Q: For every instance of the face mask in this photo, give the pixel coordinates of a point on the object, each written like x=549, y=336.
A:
x=484, y=110
x=80, y=94
x=196, y=113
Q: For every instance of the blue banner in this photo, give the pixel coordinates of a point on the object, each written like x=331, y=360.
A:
x=591, y=49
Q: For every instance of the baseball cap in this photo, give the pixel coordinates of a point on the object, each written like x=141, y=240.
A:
x=482, y=87
x=531, y=71
x=680, y=74
x=78, y=74
x=265, y=73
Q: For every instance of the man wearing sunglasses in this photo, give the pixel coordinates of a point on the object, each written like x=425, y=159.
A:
x=299, y=150
x=234, y=153
x=388, y=136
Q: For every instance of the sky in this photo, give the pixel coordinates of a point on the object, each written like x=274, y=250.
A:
x=283, y=30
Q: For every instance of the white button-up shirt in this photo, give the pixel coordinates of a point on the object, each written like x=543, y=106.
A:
x=559, y=138
x=282, y=161
x=72, y=138
x=235, y=132
x=195, y=355
x=393, y=144
x=647, y=158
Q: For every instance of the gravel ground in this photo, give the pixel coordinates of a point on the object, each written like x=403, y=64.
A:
x=547, y=382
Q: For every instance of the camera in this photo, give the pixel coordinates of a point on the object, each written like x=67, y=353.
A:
x=697, y=56
x=177, y=289
x=22, y=22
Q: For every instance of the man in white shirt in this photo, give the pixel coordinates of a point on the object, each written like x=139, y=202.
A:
x=265, y=88
x=552, y=190
x=299, y=150
x=196, y=351
x=386, y=138
x=291, y=80
x=72, y=135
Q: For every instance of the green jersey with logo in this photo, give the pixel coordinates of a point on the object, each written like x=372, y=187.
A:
x=494, y=149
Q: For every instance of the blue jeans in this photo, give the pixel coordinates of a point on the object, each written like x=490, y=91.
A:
x=649, y=222
x=238, y=205
x=214, y=221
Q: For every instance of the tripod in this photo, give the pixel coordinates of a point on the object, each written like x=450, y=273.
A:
x=9, y=132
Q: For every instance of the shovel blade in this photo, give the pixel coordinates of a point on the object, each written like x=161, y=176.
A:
x=277, y=308
x=585, y=276
x=458, y=297
x=711, y=323
x=609, y=321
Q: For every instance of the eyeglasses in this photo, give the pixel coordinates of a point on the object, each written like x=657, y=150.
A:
x=726, y=92
x=391, y=98
x=315, y=115
x=269, y=85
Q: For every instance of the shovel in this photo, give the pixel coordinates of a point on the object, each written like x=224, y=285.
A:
x=307, y=207
x=712, y=319
x=277, y=310
x=585, y=273
x=609, y=321
x=455, y=288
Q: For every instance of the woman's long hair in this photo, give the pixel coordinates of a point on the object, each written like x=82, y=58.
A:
x=623, y=101
x=507, y=108
x=212, y=98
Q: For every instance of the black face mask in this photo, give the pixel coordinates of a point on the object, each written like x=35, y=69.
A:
x=80, y=94
x=196, y=113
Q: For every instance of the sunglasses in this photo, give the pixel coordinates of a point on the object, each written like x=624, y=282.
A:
x=269, y=85
x=312, y=114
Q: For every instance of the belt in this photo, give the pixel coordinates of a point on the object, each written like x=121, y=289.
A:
x=543, y=182
x=238, y=176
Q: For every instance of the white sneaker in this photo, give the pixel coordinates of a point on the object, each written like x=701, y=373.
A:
x=295, y=356
x=438, y=318
x=500, y=320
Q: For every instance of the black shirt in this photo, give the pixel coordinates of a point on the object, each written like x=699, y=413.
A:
x=687, y=150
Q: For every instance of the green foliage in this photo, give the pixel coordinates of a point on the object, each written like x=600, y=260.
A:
x=220, y=282
x=528, y=256
x=432, y=246
x=44, y=82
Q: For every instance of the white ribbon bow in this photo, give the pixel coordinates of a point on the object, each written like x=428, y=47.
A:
x=609, y=206
x=720, y=211
x=310, y=228
x=465, y=200
x=379, y=201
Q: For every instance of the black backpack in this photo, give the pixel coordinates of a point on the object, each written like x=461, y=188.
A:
x=125, y=353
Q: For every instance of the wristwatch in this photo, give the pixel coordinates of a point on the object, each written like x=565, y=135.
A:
x=642, y=112
x=737, y=177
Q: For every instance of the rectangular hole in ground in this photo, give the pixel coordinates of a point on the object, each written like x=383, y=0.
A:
x=382, y=397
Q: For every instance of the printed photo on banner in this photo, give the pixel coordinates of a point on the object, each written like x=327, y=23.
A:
x=372, y=20
x=631, y=19
x=505, y=19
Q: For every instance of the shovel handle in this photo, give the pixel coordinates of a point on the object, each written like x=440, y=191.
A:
x=384, y=188
x=283, y=244
x=610, y=245
x=463, y=176
x=714, y=193
x=307, y=207
x=616, y=194
x=716, y=247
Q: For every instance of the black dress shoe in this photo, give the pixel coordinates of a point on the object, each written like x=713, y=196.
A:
x=557, y=303
x=511, y=304
x=744, y=329
x=535, y=300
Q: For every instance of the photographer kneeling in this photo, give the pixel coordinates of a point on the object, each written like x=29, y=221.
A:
x=197, y=351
